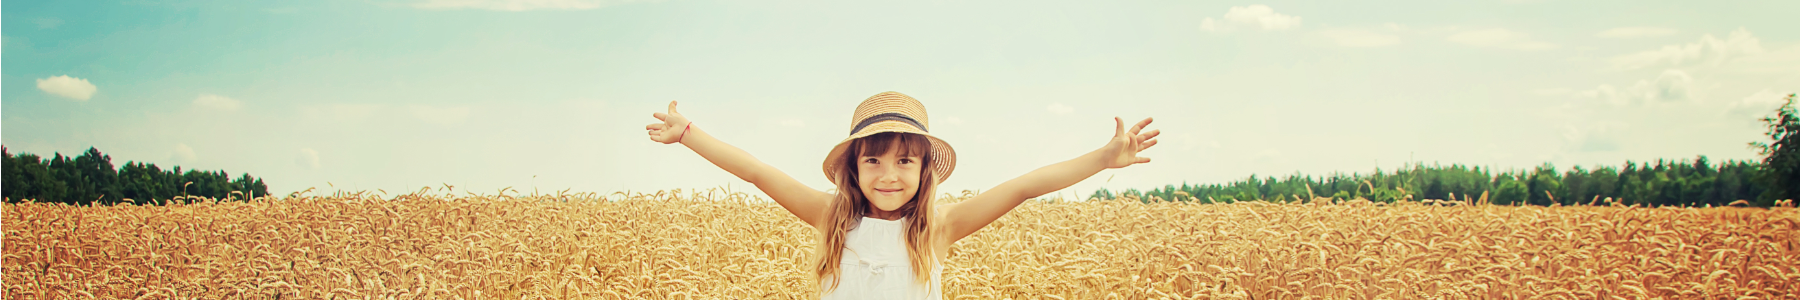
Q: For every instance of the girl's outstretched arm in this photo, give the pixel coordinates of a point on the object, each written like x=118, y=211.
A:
x=968, y=216
x=802, y=201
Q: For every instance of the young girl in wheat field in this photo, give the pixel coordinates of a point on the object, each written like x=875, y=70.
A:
x=881, y=234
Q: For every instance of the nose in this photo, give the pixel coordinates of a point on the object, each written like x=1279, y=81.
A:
x=888, y=174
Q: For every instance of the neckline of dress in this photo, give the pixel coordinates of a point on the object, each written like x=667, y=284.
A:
x=867, y=219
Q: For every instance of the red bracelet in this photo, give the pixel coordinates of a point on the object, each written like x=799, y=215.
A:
x=684, y=131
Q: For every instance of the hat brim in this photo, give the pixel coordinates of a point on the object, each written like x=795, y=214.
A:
x=943, y=158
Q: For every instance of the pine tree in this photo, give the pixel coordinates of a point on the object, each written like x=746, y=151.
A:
x=1781, y=156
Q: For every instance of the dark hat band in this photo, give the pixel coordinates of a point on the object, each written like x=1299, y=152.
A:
x=887, y=117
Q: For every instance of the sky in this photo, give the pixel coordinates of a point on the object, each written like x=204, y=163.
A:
x=344, y=95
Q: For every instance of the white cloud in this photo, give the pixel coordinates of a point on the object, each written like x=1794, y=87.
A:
x=308, y=158
x=793, y=123
x=1756, y=105
x=1672, y=85
x=1739, y=43
x=1635, y=32
x=440, y=115
x=518, y=5
x=183, y=154
x=1059, y=108
x=1360, y=38
x=1772, y=63
x=47, y=23
x=1256, y=17
x=953, y=120
x=1500, y=38
x=217, y=102
x=67, y=87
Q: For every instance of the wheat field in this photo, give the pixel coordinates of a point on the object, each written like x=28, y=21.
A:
x=711, y=244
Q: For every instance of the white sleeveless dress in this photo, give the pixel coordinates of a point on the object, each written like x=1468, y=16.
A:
x=875, y=265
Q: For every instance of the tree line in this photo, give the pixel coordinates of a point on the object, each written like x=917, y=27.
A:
x=90, y=179
x=1698, y=182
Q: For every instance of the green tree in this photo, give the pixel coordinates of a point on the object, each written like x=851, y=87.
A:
x=1781, y=156
x=98, y=177
x=1508, y=190
x=90, y=178
x=12, y=175
x=1544, y=184
x=1663, y=182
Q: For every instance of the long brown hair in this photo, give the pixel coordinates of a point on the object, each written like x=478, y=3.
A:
x=849, y=207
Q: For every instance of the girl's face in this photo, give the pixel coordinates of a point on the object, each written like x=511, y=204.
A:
x=888, y=180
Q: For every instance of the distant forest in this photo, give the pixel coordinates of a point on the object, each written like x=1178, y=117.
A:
x=90, y=179
x=1682, y=183
x=1686, y=183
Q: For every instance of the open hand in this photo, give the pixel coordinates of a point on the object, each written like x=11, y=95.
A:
x=1123, y=150
x=672, y=128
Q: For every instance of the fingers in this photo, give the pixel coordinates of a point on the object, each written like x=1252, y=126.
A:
x=659, y=131
x=1147, y=145
x=1150, y=135
x=665, y=116
x=1118, y=127
x=1140, y=126
x=1142, y=160
x=655, y=130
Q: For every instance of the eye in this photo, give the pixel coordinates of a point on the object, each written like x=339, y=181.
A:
x=871, y=160
x=906, y=160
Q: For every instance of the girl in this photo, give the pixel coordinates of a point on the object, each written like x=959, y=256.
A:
x=881, y=234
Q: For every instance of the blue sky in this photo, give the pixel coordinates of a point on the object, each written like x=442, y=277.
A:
x=553, y=94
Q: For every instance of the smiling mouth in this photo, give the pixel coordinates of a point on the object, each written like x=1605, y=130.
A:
x=887, y=191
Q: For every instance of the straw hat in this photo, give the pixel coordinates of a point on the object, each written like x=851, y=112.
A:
x=893, y=112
